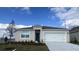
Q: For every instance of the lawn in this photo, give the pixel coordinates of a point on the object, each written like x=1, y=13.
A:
x=23, y=47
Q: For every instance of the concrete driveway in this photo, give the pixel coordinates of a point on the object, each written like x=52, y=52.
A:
x=60, y=46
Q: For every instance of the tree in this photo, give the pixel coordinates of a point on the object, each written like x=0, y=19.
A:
x=11, y=29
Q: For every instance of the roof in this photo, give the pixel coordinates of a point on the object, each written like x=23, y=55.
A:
x=75, y=29
x=48, y=27
x=43, y=27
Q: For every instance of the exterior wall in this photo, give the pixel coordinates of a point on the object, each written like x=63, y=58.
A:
x=18, y=36
x=74, y=36
x=68, y=36
x=42, y=34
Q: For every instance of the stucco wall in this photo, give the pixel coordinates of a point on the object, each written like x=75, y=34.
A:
x=18, y=36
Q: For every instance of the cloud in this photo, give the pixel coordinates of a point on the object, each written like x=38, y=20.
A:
x=2, y=31
x=22, y=26
x=4, y=26
x=71, y=15
x=26, y=9
x=71, y=23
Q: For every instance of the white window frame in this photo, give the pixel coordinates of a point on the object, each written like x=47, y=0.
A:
x=26, y=33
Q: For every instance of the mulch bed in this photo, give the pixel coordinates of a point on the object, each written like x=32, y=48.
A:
x=21, y=46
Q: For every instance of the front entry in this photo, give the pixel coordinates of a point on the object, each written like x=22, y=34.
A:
x=37, y=35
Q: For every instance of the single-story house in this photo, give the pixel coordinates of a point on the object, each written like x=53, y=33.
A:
x=42, y=33
x=74, y=33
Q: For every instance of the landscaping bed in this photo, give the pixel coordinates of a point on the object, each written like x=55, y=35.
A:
x=23, y=46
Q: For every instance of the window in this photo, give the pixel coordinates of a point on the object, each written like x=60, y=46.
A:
x=25, y=34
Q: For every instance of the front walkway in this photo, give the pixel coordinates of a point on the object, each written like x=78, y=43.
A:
x=60, y=46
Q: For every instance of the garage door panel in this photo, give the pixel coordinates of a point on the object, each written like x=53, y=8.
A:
x=57, y=37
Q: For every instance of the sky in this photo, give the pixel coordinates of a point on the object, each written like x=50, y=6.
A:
x=48, y=16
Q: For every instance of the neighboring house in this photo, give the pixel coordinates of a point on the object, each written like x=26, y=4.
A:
x=42, y=33
x=74, y=33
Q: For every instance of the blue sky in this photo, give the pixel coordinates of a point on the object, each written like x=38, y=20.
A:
x=28, y=16
x=54, y=16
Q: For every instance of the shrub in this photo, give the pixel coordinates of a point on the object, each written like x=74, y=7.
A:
x=32, y=42
x=25, y=42
x=71, y=41
x=75, y=41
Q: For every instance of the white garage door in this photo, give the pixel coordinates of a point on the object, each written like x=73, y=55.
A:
x=57, y=37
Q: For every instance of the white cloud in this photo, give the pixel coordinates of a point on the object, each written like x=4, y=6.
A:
x=25, y=9
x=71, y=16
x=2, y=31
x=59, y=9
x=22, y=26
x=4, y=26
x=71, y=23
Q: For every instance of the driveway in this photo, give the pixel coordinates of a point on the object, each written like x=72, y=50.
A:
x=60, y=46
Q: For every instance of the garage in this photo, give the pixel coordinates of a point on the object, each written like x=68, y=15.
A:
x=56, y=36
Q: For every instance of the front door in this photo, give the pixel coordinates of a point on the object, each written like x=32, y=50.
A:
x=37, y=35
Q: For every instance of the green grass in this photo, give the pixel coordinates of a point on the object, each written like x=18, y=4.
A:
x=23, y=47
